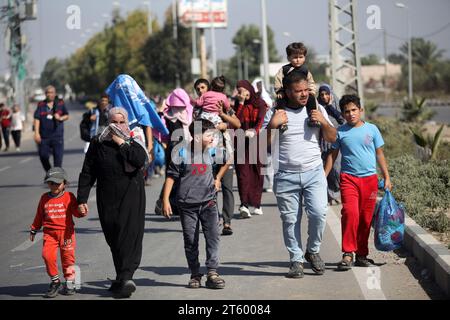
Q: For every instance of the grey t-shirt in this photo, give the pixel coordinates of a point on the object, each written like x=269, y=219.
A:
x=298, y=148
x=195, y=182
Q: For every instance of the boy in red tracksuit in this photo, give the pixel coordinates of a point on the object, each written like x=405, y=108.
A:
x=54, y=213
x=361, y=146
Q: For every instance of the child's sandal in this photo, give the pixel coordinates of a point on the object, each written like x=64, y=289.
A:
x=195, y=281
x=346, y=264
x=214, y=281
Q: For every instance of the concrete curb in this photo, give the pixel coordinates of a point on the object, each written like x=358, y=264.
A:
x=431, y=253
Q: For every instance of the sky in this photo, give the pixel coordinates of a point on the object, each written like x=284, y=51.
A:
x=291, y=20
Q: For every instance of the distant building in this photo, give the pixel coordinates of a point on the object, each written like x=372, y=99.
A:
x=373, y=76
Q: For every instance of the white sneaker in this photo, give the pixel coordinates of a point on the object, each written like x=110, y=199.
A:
x=245, y=213
x=17, y=149
x=258, y=212
x=269, y=190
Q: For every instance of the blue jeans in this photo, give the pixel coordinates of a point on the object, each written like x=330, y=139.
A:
x=291, y=188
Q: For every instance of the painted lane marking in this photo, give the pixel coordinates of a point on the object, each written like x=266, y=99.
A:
x=369, y=279
x=27, y=244
x=25, y=160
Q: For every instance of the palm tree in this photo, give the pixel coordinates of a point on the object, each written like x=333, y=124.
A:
x=424, y=53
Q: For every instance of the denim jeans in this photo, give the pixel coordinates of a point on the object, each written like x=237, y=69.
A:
x=192, y=216
x=293, y=190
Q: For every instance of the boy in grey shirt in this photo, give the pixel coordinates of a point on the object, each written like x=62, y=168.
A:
x=196, y=201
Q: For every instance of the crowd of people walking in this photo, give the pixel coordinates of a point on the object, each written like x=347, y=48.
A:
x=312, y=148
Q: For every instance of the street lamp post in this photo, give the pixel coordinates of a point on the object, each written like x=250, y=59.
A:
x=213, y=41
x=149, y=17
x=239, y=61
x=265, y=44
x=410, y=75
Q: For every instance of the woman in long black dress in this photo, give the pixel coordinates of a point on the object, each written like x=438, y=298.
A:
x=115, y=162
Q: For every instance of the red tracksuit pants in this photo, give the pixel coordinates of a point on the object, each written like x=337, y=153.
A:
x=65, y=241
x=359, y=195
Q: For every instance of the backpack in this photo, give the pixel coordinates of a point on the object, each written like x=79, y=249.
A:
x=85, y=127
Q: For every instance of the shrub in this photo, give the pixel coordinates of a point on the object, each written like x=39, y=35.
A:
x=397, y=137
x=424, y=189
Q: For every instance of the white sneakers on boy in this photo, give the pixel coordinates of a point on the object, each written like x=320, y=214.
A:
x=245, y=213
x=258, y=212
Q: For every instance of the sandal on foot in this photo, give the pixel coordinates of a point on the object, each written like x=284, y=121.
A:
x=346, y=264
x=227, y=231
x=214, y=281
x=195, y=281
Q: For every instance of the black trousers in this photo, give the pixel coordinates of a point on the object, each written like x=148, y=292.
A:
x=17, y=134
x=6, y=136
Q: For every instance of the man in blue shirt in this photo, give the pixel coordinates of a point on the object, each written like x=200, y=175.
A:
x=49, y=120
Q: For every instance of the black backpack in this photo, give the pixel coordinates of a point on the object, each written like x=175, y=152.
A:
x=85, y=127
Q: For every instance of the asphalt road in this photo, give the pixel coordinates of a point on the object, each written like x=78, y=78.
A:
x=254, y=260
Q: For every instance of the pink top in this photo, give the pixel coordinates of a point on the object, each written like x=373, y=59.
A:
x=209, y=99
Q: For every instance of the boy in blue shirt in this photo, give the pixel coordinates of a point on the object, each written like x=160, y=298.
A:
x=361, y=145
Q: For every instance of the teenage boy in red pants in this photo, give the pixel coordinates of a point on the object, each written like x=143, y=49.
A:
x=54, y=213
x=361, y=145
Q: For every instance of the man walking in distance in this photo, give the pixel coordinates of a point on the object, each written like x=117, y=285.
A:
x=49, y=120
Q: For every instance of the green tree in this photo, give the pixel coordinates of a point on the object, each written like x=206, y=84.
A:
x=114, y=51
x=163, y=58
x=248, y=42
x=55, y=74
x=426, y=59
x=371, y=59
x=424, y=53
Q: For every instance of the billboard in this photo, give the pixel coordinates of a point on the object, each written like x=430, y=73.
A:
x=201, y=11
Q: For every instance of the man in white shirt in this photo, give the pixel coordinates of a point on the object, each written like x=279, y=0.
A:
x=300, y=177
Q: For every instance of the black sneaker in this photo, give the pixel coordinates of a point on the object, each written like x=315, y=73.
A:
x=115, y=286
x=316, y=262
x=126, y=289
x=69, y=288
x=53, y=289
x=362, y=261
x=295, y=270
x=158, y=207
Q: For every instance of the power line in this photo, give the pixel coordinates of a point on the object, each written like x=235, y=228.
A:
x=370, y=42
x=437, y=31
x=422, y=36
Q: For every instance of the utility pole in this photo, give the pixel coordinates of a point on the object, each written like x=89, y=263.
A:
x=265, y=45
x=213, y=41
x=175, y=38
x=385, y=82
x=15, y=43
x=344, y=44
x=149, y=18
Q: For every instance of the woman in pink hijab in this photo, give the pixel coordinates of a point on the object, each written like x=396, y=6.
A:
x=177, y=117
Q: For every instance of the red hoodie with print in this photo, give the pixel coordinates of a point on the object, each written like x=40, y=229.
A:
x=56, y=213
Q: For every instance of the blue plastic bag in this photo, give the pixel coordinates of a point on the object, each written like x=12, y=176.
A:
x=389, y=223
x=160, y=157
